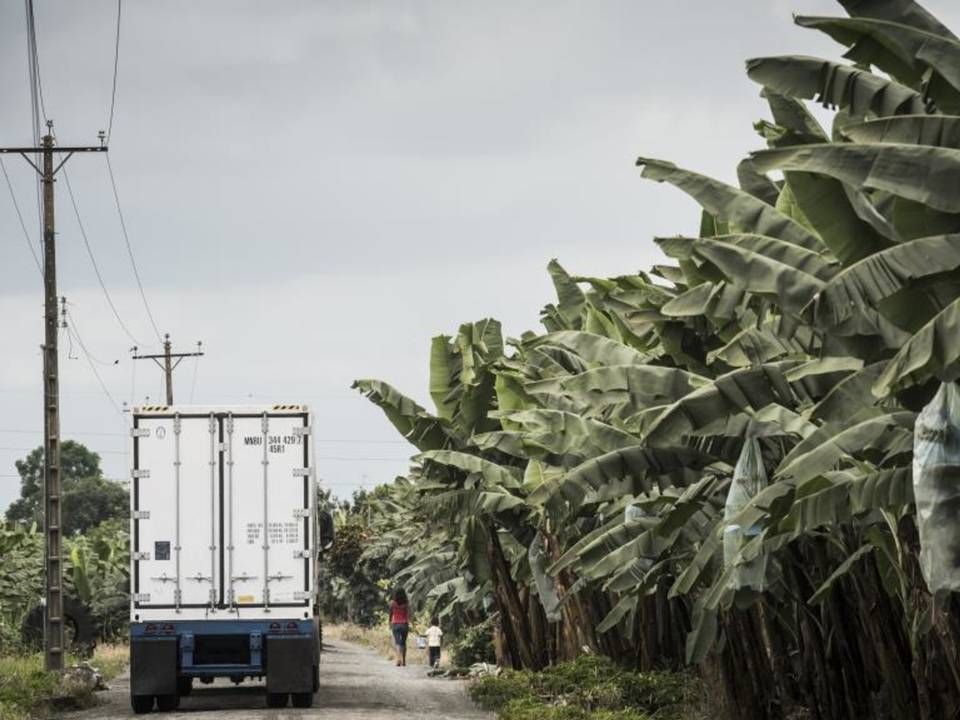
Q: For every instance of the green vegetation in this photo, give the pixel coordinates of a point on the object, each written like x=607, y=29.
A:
x=572, y=482
x=589, y=687
x=97, y=555
x=88, y=498
x=354, y=585
x=28, y=691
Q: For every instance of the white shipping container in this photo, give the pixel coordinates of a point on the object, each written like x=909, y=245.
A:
x=222, y=513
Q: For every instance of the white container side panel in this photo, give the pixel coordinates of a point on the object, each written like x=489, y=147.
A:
x=177, y=548
x=269, y=500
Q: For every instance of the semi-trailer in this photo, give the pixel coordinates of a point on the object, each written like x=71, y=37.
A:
x=224, y=543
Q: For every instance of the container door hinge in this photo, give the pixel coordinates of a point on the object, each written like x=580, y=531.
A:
x=303, y=472
x=141, y=556
x=141, y=597
x=140, y=432
x=302, y=430
x=303, y=595
x=299, y=554
x=301, y=512
x=137, y=474
x=140, y=515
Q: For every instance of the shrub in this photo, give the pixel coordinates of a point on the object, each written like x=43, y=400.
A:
x=494, y=692
x=474, y=645
x=590, y=688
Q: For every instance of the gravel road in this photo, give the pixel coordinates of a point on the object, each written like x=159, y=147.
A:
x=355, y=684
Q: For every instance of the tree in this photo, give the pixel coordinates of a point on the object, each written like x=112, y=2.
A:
x=812, y=315
x=88, y=497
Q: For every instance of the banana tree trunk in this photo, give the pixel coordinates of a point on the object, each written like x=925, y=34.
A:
x=512, y=614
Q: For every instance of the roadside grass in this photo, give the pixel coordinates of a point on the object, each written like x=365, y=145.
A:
x=378, y=637
x=27, y=691
x=590, y=688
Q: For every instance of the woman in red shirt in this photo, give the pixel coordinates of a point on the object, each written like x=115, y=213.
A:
x=400, y=624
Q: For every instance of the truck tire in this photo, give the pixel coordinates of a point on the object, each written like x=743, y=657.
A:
x=302, y=700
x=316, y=678
x=167, y=703
x=276, y=700
x=184, y=686
x=81, y=631
x=141, y=704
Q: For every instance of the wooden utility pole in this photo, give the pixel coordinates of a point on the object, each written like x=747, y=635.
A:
x=52, y=480
x=168, y=365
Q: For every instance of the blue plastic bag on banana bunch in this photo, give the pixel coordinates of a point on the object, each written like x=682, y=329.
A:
x=546, y=587
x=749, y=478
x=936, y=488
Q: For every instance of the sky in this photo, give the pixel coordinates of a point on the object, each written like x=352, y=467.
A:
x=315, y=189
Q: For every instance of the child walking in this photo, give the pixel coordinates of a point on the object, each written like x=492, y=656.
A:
x=434, y=635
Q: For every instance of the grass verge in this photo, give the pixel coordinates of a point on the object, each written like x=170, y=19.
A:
x=27, y=691
x=378, y=638
x=588, y=688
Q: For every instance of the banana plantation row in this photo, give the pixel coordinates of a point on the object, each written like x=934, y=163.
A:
x=710, y=463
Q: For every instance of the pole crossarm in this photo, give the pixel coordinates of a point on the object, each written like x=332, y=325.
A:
x=163, y=356
x=25, y=152
x=168, y=365
x=55, y=149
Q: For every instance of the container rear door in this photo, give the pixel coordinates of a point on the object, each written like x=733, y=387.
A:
x=267, y=502
x=176, y=511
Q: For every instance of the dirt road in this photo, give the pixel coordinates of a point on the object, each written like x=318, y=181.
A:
x=355, y=684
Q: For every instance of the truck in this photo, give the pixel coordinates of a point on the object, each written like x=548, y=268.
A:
x=223, y=552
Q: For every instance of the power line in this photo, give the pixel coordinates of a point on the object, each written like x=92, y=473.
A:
x=72, y=329
x=193, y=384
x=64, y=313
x=133, y=263
x=36, y=99
x=35, y=59
x=362, y=459
x=25, y=449
x=116, y=64
x=93, y=261
x=40, y=432
x=23, y=225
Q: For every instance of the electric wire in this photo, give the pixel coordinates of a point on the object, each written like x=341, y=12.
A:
x=133, y=262
x=116, y=64
x=40, y=432
x=73, y=330
x=105, y=363
x=193, y=384
x=93, y=260
x=36, y=101
x=23, y=225
x=35, y=59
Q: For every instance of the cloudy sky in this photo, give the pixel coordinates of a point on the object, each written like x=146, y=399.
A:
x=314, y=189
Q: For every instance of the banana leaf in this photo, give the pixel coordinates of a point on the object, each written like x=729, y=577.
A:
x=924, y=174
x=931, y=352
x=880, y=276
x=731, y=205
x=934, y=130
x=858, y=92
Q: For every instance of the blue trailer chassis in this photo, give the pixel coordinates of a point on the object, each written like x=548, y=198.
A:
x=166, y=656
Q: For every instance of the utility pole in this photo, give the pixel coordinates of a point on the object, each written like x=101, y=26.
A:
x=168, y=365
x=52, y=485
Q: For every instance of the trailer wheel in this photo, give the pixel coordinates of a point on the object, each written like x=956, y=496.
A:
x=302, y=700
x=167, y=703
x=276, y=700
x=184, y=686
x=80, y=628
x=141, y=704
x=316, y=678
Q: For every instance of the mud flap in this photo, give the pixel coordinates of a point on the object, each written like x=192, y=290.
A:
x=290, y=662
x=153, y=666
